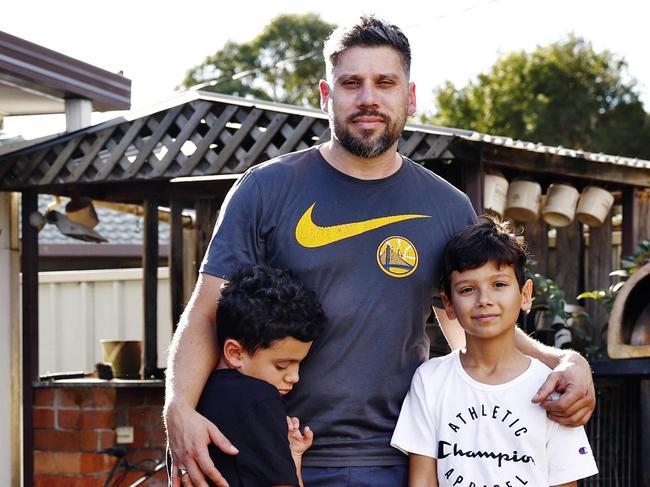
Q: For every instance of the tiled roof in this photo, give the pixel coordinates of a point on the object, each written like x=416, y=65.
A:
x=116, y=226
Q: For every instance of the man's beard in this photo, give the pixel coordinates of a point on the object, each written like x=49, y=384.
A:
x=364, y=145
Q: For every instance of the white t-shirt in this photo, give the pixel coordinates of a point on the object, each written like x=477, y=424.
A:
x=488, y=435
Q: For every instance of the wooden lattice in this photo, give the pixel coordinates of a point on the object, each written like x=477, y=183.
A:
x=205, y=136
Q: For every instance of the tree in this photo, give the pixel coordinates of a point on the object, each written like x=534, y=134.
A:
x=283, y=63
x=562, y=94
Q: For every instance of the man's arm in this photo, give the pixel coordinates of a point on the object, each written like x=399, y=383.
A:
x=571, y=375
x=192, y=356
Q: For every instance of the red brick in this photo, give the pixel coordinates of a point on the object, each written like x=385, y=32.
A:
x=89, y=440
x=145, y=416
x=43, y=418
x=154, y=397
x=101, y=397
x=68, y=419
x=69, y=398
x=52, y=440
x=157, y=437
x=140, y=437
x=68, y=481
x=98, y=419
x=68, y=463
x=96, y=463
x=45, y=462
x=106, y=439
x=44, y=397
x=129, y=398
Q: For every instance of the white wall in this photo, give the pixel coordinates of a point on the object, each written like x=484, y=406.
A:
x=78, y=308
x=5, y=340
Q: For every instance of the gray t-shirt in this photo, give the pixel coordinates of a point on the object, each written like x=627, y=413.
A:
x=370, y=249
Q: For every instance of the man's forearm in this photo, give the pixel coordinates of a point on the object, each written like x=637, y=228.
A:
x=192, y=357
x=550, y=356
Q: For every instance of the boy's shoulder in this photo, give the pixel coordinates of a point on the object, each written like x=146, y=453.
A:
x=231, y=389
x=439, y=365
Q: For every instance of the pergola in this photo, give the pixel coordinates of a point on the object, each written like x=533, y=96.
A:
x=188, y=152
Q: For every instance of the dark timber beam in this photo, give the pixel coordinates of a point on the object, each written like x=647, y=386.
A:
x=176, y=261
x=29, y=269
x=150, y=274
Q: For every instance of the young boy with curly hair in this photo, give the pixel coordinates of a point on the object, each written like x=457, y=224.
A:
x=267, y=323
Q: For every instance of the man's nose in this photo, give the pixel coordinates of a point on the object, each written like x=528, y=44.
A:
x=367, y=95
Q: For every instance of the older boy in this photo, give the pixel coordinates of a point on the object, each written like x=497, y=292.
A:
x=267, y=322
x=468, y=420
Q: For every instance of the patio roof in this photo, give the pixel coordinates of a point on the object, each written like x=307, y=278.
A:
x=35, y=80
x=201, y=136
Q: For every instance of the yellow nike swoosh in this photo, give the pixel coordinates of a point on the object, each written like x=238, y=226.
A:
x=310, y=235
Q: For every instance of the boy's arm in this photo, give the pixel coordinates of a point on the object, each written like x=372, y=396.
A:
x=299, y=443
x=568, y=484
x=571, y=377
x=423, y=471
x=192, y=356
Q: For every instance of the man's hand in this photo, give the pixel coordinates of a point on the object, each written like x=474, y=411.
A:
x=577, y=401
x=189, y=435
x=299, y=443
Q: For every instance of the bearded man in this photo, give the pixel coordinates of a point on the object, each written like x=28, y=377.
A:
x=365, y=228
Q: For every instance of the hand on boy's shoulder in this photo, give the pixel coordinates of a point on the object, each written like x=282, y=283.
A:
x=299, y=442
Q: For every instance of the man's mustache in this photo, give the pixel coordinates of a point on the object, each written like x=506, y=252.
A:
x=368, y=113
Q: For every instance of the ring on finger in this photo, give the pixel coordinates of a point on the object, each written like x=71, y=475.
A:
x=182, y=471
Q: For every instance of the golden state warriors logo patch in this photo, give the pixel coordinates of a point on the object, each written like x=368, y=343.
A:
x=397, y=257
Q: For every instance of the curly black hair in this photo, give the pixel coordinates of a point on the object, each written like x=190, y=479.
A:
x=259, y=305
x=488, y=240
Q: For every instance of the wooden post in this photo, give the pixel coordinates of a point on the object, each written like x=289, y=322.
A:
x=150, y=274
x=472, y=182
x=599, y=265
x=29, y=269
x=567, y=250
x=176, y=281
x=630, y=232
x=536, y=235
x=206, y=216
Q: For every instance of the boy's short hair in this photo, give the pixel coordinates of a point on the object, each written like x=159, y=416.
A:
x=488, y=240
x=369, y=31
x=259, y=305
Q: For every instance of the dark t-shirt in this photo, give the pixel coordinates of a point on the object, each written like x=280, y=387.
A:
x=370, y=249
x=251, y=414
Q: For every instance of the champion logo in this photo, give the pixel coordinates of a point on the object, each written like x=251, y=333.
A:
x=583, y=450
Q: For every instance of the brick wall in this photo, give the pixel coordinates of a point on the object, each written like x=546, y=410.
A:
x=72, y=423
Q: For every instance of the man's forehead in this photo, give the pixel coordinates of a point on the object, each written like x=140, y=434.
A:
x=359, y=60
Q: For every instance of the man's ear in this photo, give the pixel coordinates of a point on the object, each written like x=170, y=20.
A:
x=325, y=94
x=449, y=308
x=412, y=105
x=527, y=295
x=233, y=353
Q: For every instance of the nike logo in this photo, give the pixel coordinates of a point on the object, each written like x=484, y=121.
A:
x=310, y=235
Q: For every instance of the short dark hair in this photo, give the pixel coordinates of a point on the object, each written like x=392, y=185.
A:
x=488, y=240
x=369, y=31
x=259, y=305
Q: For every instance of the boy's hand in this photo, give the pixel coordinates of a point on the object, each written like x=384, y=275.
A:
x=577, y=401
x=299, y=443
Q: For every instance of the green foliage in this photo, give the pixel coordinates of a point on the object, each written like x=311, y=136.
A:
x=283, y=63
x=562, y=94
x=546, y=292
x=629, y=265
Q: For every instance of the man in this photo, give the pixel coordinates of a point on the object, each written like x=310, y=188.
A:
x=365, y=229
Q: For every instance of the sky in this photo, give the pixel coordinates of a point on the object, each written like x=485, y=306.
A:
x=154, y=43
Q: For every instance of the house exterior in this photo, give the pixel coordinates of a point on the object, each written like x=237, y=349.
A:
x=35, y=80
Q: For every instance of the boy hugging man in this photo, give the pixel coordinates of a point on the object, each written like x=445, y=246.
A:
x=266, y=323
x=467, y=420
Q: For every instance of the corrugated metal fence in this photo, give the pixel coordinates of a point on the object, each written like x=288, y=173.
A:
x=78, y=308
